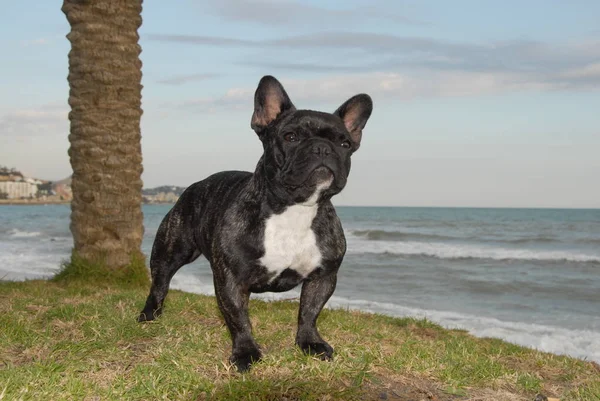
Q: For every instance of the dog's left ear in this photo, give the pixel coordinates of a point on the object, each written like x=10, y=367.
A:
x=270, y=100
x=354, y=113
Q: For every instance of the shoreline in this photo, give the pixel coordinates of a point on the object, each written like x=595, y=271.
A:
x=390, y=356
x=22, y=202
x=31, y=202
x=13, y=202
x=521, y=334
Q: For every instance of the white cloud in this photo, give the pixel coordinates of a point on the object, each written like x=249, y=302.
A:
x=286, y=12
x=587, y=71
x=421, y=66
x=429, y=83
x=35, y=140
x=232, y=99
x=42, y=120
x=184, y=79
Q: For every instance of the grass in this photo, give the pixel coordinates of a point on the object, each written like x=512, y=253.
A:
x=71, y=340
x=82, y=271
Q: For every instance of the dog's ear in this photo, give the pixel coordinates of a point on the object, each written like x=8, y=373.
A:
x=354, y=113
x=270, y=100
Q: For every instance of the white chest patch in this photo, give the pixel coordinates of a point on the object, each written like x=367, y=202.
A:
x=290, y=241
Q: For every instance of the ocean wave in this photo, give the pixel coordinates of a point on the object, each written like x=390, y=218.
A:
x=192, y=283
x=583, y=344
x=529, y=240
x=464, y=251
x=15, y=233
x=384, y=235
x=387, y=235
x=11, y=266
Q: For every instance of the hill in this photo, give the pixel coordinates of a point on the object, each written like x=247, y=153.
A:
x=162, y=194
x=163, y=189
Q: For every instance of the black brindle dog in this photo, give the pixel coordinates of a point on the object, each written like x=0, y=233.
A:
x=270, y=230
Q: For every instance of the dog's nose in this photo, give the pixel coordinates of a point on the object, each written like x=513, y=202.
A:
x=321, y=149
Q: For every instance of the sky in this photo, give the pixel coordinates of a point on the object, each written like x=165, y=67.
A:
x=477, y=103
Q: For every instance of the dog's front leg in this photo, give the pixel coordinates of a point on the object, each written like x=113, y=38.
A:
x=233, y=303
x=314, y=296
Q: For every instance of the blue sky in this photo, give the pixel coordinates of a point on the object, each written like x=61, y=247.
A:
x=477, y=103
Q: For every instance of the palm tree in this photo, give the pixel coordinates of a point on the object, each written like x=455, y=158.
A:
x=105, y=98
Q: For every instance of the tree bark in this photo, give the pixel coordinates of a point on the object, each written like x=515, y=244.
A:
x=105, y=75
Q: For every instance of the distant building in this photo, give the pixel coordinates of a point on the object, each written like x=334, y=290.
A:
x=163, y=194
x=18, y=189
x=14, y=186
x=161, y=197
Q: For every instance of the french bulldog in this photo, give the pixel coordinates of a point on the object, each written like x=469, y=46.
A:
x=270, y=230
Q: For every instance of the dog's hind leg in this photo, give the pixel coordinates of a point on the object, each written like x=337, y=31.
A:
x=172, y=249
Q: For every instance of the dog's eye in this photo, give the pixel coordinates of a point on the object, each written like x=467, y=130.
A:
x=291, y=137
x=346, y=144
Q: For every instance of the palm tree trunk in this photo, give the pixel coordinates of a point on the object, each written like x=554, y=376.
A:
x=105, y=98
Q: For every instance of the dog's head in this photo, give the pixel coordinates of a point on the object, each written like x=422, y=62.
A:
x=306, y=153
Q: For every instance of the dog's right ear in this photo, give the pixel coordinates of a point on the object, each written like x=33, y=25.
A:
x=270, y=100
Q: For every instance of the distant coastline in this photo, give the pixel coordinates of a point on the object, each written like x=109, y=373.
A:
x=33, y=202
x=163, y=195
x=18, y=189
x=25, y=202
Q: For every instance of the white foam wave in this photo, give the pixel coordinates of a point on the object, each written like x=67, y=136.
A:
x=24, y=266
x=24, y=234
x=191, y=283
x=463, y=251
x=582, y=344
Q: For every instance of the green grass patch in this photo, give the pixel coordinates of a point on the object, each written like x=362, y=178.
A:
x=84, y=271
x=70, y=340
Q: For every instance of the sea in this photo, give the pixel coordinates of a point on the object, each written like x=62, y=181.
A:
x=527, y=276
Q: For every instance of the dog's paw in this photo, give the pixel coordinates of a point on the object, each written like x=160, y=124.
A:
x=243, y=359
x=317, y=348
x=149, y=315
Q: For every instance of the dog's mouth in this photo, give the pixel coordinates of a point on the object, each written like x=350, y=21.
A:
x=321, y=175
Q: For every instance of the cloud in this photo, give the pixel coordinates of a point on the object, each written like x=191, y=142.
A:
x=286, y=12
x=201, y=40
x=334, y=89
x=366, y=41
x=308, y=67
x=232, y=99
x=590, y=71
x=183, y=79
x=516, y=64
x=42, y=120
x=372, y=50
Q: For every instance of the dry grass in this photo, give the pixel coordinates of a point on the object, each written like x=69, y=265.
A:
x=77, y=342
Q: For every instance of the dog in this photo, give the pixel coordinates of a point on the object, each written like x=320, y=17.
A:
x=271, y=230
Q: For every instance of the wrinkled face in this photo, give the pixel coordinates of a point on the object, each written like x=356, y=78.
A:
x=306, y=150
x=307, y=153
